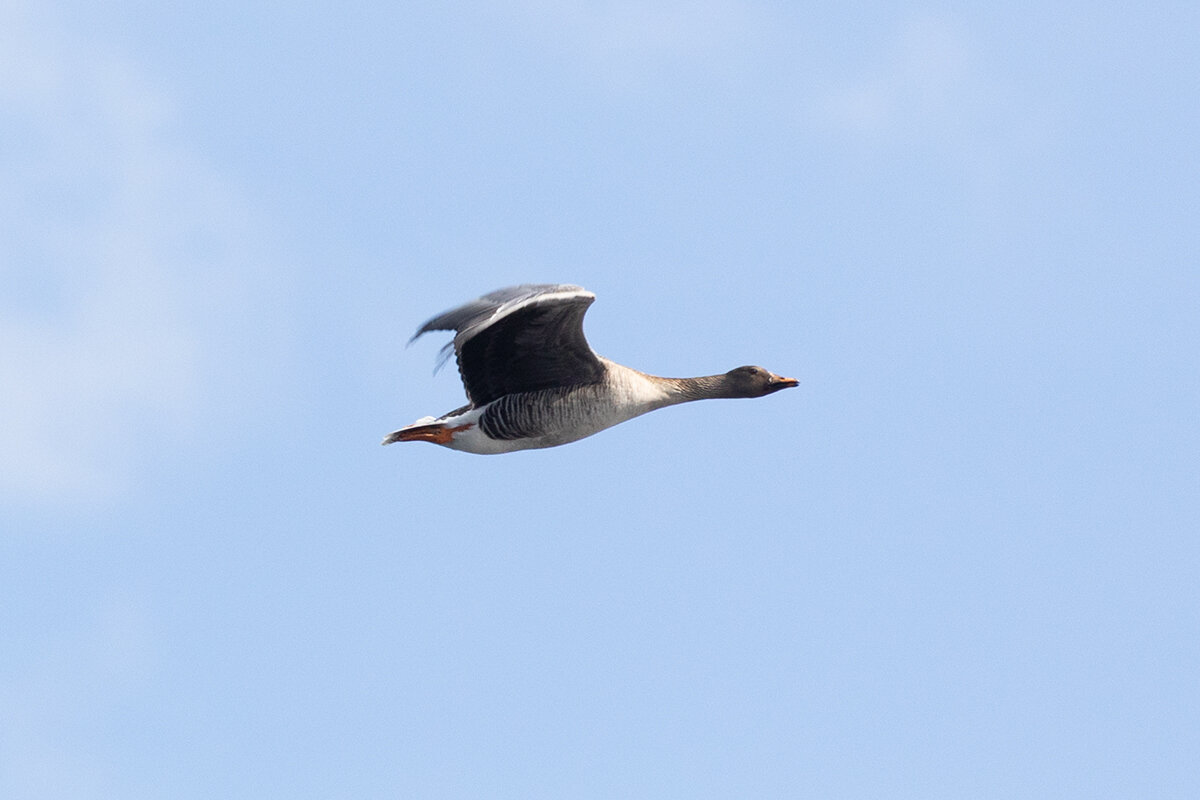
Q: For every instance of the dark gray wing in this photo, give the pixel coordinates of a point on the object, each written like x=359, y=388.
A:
x=521, y=339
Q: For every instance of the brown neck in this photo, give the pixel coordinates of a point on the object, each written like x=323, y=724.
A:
x=683, y=390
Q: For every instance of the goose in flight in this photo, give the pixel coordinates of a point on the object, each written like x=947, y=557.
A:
x=532, y=380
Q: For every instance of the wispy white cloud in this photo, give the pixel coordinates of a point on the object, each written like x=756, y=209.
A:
x=923, y=79
x=625, y=43
x=115, y=240
x=934, y=89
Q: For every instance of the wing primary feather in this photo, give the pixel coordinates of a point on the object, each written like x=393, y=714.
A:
x=518, y=339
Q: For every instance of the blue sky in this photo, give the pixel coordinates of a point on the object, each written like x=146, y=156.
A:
x=959, y=561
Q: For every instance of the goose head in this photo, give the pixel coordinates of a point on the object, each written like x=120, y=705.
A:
x=755, y=382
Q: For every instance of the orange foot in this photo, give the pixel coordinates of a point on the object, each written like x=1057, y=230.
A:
x=436, y=433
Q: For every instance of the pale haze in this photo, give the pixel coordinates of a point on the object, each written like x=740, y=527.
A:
x=961, y=560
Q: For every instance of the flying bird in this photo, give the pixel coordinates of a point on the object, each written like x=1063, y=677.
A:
x=533, y=381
